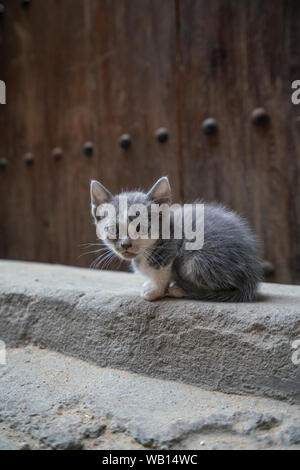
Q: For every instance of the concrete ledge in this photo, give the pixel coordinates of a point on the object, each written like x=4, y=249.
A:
x=99, y=317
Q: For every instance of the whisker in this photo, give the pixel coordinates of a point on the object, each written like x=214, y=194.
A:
x=99, y=258
x=91, y=252
x=106, y=260
x=92, y=243
x=150, y=256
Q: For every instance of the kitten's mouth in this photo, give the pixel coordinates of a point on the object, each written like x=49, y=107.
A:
x=128, y=254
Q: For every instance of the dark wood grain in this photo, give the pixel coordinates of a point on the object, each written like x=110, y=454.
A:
x=92, y=70
x=79, y=71
x=235, y=57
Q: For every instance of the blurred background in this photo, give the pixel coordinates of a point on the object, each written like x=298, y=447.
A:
x=125, y=91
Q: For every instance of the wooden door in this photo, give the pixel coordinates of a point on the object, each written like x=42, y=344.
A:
x=237, y=56
x=79, y=71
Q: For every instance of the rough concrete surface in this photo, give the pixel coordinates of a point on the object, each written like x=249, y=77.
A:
x=99, y=317
x=52, y=401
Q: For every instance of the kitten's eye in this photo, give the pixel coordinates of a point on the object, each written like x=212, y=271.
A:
x=98, y=218
x=111, y=230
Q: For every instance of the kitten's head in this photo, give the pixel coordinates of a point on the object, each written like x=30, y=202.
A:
x=123, y=221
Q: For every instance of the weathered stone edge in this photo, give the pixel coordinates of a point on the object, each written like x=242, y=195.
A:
x=217, y=350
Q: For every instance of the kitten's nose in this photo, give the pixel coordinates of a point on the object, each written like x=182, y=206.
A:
x=126, y=244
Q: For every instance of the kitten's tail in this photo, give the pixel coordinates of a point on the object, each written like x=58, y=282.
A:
x=224, y=296
x=246, y=294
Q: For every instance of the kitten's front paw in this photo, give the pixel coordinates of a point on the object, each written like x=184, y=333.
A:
x=175, y=291
x=151, y=292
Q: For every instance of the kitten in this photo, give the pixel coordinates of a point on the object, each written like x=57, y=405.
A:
x=225, y=268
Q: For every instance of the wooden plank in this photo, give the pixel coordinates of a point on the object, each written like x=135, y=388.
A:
x=79, y=71
x=235, y=57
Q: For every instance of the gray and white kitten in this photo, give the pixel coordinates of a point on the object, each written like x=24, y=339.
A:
x=226, y=268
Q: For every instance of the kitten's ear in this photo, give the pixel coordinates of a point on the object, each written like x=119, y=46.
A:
x=161, y=191
x=99, y=194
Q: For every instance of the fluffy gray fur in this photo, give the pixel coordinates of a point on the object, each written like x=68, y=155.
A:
x=227, y=268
